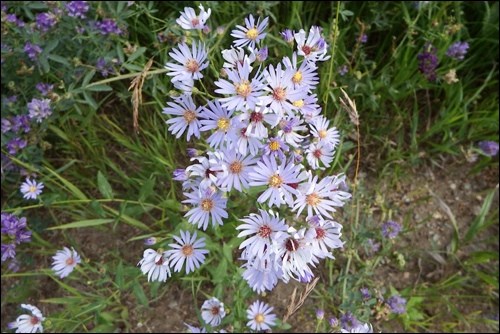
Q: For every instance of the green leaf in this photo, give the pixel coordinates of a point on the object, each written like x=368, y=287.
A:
x=119, y=276
x=82, y=223
x=104, y=186
x=146, y=189
x=59, y=59
x=70, y=186
x=139, y=294
x=99, y=88
x=136, y=54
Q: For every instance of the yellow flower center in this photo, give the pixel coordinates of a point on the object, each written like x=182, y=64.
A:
x=279, y=94
x=259, y=318
x=207, y=204
x=192, y=65
x=32, y=189
x=189, y=116
x=313, y=199
x=243, y=89
x=252, y=34
x=223, y=124
x=298, y=103
x=322, y=134
x=187, y=250
x=297, y=77
x=236, y=167
x=274, y=145
x=275, y=181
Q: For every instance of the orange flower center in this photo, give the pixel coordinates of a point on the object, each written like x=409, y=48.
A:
x=259, y=318
x=313, y=199
x=275, y=181
x=187, y=250
x=70, y=261
x=207, y=204
x=274, y=145
x=189, y=116
x=279, y=94
x=235, y=167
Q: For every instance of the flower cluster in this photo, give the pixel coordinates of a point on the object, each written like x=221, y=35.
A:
x=428, y=62
x=14, y=232
x=265, y=130
x=458, y=50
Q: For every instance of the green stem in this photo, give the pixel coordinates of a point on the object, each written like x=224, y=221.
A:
x=334, y=44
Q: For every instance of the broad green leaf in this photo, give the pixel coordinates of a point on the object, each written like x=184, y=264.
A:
x=104, y=186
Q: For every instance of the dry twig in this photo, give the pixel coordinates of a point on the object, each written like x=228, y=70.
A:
x=294, y=306
x=137, y=84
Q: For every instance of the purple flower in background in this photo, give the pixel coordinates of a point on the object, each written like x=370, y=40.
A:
x=45, y=21
x=320, y=314
x=365, y=293
x=458, y=50
x=428, y=62
x=44, y=88
x=103, y=67
x=14, y=232
x=397, y=304
x=343, y=70
x=334, y=322
x=261, y=55
x=348, y=321
x=108, y=27
x=150, y=241
x=490, y=148
x=39, y=109
x=287, y=35
x=363, y=38
x=77, y=8
x=180, y=174
x=6, y=125
x=12, y=18
x=21, y=122
x=32, y=50
x=16, y=144
x=373, y=246
x=192, y=152
x=391, y=229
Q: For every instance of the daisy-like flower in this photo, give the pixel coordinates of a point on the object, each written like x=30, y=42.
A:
x=208, y=171
x=31, y=189
x=359, y=328
x=261, y=274
x=313, y=48
x=242, y=140
x=251, y=33
x=260, y=316
x=217, y=118
x=256, y=118
x=191, y=63
x=276, y=147
x=210, y=206
x=326, y=235
x=281, y=91
x=320, y=130
x=236, y=169
x=189, y=20
x=281, y=180
x=262, y=227
x=65, y=261
x=305, y=76
x=212, y=311
x=188, y=117
x=187, y=249
x=308, y=107
x=317, y=152
x=28, y=323
x=316, y=196
x=193, y=329
x=234, y=56
x=155, y=264
x=243, y=92
x=288, y=130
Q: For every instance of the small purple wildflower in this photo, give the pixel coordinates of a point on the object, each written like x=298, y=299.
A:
x=44, y=88
x=373, y=246
x=14, y=232
x=103, y=67
x=6, y=125
x=365, y=293
x=343, y=70
x=77, y=8
x=45, y=21
x=397, y=304
x=261, y=55
x=32, y=50
x=320, y=314
x=334, y=322
x=428, y=62
x=12, y=18
x=287, y=35
x=108, y=27
x=39, y=109
x=490, y=148
x=192, y=152
x=348, y=321
x=180, y=174
x=391, y=229
x=458, y=50
x=150, y=241
x=16, y=144
x=363, y=38
x=21, y=122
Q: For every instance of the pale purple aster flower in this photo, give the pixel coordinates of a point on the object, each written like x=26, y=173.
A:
x=209, y=206
x=318, y=196
x=288, y=36
x=391, y=229
x=65, y=261
x=308, y=107
x=216, y=117
x=313, y=48
x=306, y=277
x=261, y=54
x=150, y=241
x=243, y=92
x=317, y=152
x=251, y=33
x=256, y=118
x=276, y=147
x=45, y=21
x=32, y=50
x=490, y=148
x=191, y=61
x=188, y=116
x=320, y=314
x=428, y=62
x=155, y=264
x=325, y=236
x=293, y=250
x=234, y=56
x=365, y=293
x=44, y=88
x=108, y=27
x=189, y=20
x=304, y=76
x=320, y=130
x=208, y=171
x=261, y=227
x=31, y=189
x=348, y=321
x=397, y=304
x=242, y=140
x=77, y=9
x=260, y=316
x=236, y=169
x=192, y=152
x=281, y=90
x=16, y=144
x=289, y=126
x=187, y=249
x=212, y=311
x=342, y=70
x=180, y=174
x=262, y=274
x=39, y=109
x=193, y=329
x=359, y=328
x=282, y=180
x=458, y=50
x=28, y=323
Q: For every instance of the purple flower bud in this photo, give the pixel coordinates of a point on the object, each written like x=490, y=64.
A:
x=428, y=62
x=343, y=70
x=458, y=50
x=490, y=148
x=77, y=8
x=32, y=50
x=45, y=21
x=150, y=241
x=397, y=304
x=391, y=229
x=320, y=314
x=287, y=35
x=365, y=293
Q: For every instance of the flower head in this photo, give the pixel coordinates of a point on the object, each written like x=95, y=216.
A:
x=490, y=148
x=65, y=261
x=397, y=304
x=260, y=316
x=458, y=50
x=428, y=62
x=31, y=189
x=39, y=109
x=32, y=50
x=187, y=249
x=212, y=311
x=77, y=9
x=359, y=328
x=210, y=206
x=189, y=20
x=28, y=323
x=155, y=264
x=187, y=116
x=108, y=27
x=251, y=33
x=391, y=229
